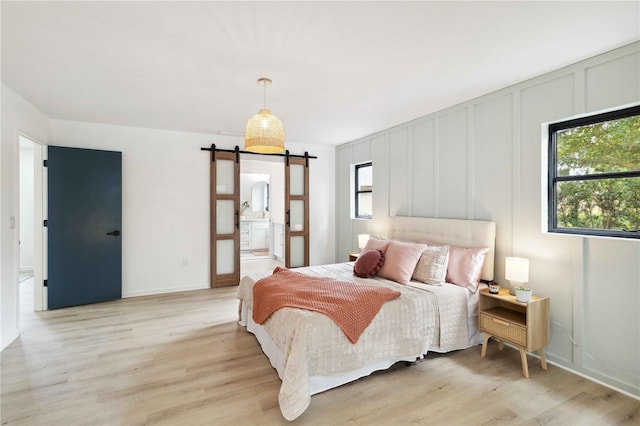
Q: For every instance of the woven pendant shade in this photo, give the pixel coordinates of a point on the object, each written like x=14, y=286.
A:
x=264, y=134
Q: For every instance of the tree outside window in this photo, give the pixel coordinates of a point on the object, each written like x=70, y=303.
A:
x=594, y=175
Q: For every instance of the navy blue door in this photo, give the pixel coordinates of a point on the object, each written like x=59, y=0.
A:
x=84, y=225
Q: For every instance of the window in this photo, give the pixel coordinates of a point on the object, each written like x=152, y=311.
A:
x=363, y=190
x=594, y=175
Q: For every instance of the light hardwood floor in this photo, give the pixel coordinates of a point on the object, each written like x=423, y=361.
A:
x=250, y=265
x=181, y=358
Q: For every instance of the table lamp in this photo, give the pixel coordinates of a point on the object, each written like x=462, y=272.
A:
x=516, y=270
x=362, y=240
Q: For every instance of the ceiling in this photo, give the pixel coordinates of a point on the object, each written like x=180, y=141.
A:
x=340, y=70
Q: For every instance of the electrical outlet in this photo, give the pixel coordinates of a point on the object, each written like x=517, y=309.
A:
x=12, y=222
x=185, y=263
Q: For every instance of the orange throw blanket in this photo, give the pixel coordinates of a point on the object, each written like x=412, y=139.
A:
x=352, y=306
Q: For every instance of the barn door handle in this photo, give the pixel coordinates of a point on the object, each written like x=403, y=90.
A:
x=114, y=233
x=238, y=219
x=288, y=218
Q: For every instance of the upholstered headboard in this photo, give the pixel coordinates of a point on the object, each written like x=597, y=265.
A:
x=455, y=232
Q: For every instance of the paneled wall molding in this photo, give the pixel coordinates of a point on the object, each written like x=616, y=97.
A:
x=410, y=168
x=471, y=150
x=483, y=159
x=629, y=51
x=436, y=167
x=516, y=131
x=579, y=82
x=580, y=257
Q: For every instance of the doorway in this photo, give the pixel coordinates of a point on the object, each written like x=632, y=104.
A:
x=225, y=206
x=262, y=219
x=31, y=290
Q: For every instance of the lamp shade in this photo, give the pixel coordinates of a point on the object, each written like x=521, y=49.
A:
x=517, y=269
x=362, y=240
x=264, y=134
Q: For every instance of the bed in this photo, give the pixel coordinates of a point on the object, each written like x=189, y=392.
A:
x=311, y=354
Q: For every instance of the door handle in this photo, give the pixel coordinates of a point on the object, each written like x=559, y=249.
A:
x=114, y=233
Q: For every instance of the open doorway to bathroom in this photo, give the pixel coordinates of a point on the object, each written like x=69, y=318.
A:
x=262, y=215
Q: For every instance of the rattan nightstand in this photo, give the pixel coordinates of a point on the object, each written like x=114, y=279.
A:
x=525, y=325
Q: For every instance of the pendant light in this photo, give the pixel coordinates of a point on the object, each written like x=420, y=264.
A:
x=264, y=134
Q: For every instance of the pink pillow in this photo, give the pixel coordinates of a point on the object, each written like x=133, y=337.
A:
x=376, y=244
x=465, y=266
x=368, y=263
x=400, y=261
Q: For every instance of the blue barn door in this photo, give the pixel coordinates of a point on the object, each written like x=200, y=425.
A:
x=84, y=226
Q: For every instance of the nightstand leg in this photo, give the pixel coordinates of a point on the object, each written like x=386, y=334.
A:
x=484, y=344
x=500, y=345
x=543, y=360
x=525, y=366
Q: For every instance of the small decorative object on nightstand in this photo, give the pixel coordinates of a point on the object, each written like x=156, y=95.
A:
x=353, y=256
x=525, y=325
x=523, y=294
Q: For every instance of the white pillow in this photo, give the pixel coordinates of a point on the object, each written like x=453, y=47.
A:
x=432, y=265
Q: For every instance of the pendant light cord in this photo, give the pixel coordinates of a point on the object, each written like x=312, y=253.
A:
x=264, y=82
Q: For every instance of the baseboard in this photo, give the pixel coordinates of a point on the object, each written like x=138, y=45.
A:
x=551, y=359
x=157, y=291
x=14, y=335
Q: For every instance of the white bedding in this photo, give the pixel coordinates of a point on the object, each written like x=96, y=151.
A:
x=312, y=354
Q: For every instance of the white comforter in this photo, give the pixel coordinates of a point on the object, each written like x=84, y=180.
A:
x=405, y=329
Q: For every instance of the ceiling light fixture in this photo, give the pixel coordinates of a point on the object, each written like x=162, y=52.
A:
x=264, y=134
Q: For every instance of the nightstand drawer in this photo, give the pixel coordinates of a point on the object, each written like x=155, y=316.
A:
x=507, y=330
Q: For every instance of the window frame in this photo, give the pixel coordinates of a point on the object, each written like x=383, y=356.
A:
x=553, y=179
x=356, y=192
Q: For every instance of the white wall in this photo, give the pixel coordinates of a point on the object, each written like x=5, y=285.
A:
x=18, y=116
x=482, y=160
x=166, y=201
x=27, y=199
x=322, y=201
